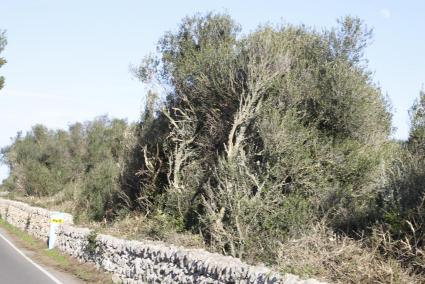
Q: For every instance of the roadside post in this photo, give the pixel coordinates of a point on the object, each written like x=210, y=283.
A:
x=56, y=218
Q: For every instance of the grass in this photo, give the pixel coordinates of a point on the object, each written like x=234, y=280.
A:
x=132, y=226
x=24, y=237
x=321, y=254
x=55, y=258
x=136, y=226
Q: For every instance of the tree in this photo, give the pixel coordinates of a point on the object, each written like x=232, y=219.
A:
x=267, y=131
x=3, y=43
x=416, y=141
x=401, y=201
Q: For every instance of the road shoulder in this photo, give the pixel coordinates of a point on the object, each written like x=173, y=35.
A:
x=61, y=266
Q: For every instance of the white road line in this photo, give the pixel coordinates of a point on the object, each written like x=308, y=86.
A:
x=53, y=278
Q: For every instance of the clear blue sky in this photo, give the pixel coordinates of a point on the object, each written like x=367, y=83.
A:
x=69, y=60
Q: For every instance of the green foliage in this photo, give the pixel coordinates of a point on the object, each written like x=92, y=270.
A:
x=92, y=244
x=401, y=207
x=82, y=163
x=266, y=132
x=3, y=43
x=143, y=172
x=416, y=141
x=99, y=193
x=256, y=138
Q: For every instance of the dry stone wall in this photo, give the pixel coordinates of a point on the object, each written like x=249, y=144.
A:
x=140, y=261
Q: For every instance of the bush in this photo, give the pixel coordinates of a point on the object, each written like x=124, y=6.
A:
x=86, y=159
x=100, y=191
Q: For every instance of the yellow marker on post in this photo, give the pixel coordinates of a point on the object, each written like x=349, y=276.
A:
x=56, y=218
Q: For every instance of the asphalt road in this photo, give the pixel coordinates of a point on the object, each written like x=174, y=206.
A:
x=16, y=268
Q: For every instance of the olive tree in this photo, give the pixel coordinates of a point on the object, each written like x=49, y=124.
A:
x=266, y=132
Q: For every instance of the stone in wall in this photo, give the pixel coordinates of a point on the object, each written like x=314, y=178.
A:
x=141, y=261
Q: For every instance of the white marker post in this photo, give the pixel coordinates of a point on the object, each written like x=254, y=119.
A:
x=56, y=218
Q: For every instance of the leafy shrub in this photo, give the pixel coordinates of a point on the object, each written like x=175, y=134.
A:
x=83, y=162
x=100, y=191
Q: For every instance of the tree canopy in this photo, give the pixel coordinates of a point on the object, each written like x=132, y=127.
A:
x=3, y=43
x=284, y=119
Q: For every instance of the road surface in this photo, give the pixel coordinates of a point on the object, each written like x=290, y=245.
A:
x=17, y=268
